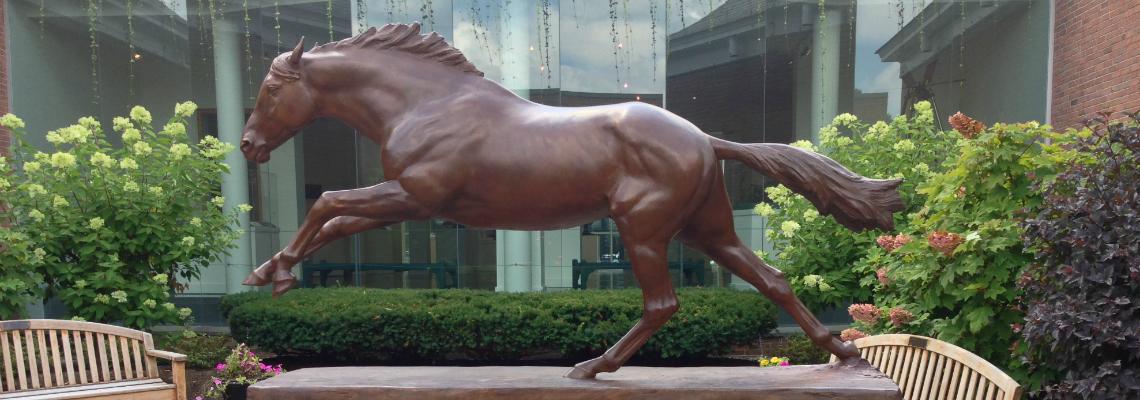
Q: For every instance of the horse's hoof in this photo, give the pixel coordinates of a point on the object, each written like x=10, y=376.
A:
x=853, y=362
x=580, y=373
x=259, y=276
x=280, y=286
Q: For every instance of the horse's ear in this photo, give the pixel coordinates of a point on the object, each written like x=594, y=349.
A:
x=295, y=58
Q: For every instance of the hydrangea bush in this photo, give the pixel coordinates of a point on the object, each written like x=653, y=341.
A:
x=108, y=229
x=816, y=252
x=951, y=273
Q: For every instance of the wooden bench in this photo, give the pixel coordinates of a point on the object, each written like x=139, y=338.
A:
x=926, y=368
x=54, y=359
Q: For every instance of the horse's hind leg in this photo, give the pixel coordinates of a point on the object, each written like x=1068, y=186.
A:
x=659, y=303
x=333, y=230
x=711, y=231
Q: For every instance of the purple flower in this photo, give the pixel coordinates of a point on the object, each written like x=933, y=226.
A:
x=784, y=363
x=217, y=381
x=220, y=366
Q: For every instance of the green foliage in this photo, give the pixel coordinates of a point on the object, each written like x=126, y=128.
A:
x=110, y=228
x=240, y=367
x=816, y=252
x=800, y=350
x=1081, y=296
x=428, y=325
x=951, y=273
x=202, y=351
x=19, y=285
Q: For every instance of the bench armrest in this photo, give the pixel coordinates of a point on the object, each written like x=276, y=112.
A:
x=167, y=355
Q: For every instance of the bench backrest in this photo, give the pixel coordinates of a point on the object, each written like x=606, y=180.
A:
x=43, y=354
x=926, y=368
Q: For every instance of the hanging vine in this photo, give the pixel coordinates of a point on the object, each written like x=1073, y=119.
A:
x=653, y=36
x=93, y=11
x=427, y=13
x=479, y=27
x=546, y=36
x=391, y=6
x=277, y=22
x=627, y=44
x=131, y=50
x=329, y=16
x=850, y=33
x=900, y=8
x=42, y=18
x=614, y=40
x=962, y=41
x=248, y=51
x=681, y=7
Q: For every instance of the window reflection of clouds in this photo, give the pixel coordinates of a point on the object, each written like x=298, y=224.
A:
x=589, y=55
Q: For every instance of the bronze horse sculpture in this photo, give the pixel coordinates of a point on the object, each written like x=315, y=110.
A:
x=457, y=146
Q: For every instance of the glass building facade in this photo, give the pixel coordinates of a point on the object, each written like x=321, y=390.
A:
x=743, y=70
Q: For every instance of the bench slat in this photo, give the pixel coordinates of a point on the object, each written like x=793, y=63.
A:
x=140, y=369
x=21, y=371
x=82, y=367
x=128, y=367
x=68, y=366
x=9, y=382
x=56, y=364
x=101, y=352
x=114, y=350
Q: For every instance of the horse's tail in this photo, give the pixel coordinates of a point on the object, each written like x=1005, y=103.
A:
x=856, y=202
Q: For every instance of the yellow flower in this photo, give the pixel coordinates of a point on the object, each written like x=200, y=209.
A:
x=774, y=360
x=764, y=362
x=185, y=109
x=62, y=160
x=11, y=122
x=160, y=278
x=140, y=114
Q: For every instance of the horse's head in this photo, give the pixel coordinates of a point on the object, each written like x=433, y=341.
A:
x=285, y=104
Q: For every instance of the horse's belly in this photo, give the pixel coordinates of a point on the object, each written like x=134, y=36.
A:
x=525, y=212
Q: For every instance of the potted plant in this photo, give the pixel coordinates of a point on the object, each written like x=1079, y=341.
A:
x=240, y=369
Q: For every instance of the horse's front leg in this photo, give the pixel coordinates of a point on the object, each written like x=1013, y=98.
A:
x=333, y=230
x=387, y=201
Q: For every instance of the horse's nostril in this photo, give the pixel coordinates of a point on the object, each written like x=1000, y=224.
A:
x=246, y=144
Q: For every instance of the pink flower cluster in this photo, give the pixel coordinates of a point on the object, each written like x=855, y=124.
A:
x=850, y=334
x=881, y=274
x=865, y=313
x=900, y=316
x=966, y=126
x=944, y=242
x=890, y=243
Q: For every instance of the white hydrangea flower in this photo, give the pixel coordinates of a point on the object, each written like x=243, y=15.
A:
x=845, y=119
x=102, y=298
x=141, y=148
x=218, y=201
x=59, y=202
x=131, y=186
x=244, y=208
x=131, y=135
x=121, y=124
x=90, y=123
x=35, y=189
x=128, y=163
x=179, y=150
x=62, y=160
x=764, y=209
x=78, y=318
x=810, y=215
x=36, y=215
x=119, y=295
x=904, y=145
x=95, y=223
x=174, y=129
x=149, y=303
x=195, y=221
x=184, y=312
x=155, y=190
x=160, y=278
x=803, y=144
x=11, y=121
x=4, y=184
x=140, y=114
x=812, y=280
x=185, y=109
x=188, y=241
x=789, y=228
x=31, y=166
x=168, y=306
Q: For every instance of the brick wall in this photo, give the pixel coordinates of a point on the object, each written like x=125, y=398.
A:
x=1096, y=59
x=4, y=137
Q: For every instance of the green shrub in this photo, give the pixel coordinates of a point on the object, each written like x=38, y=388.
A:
x=429, y=325
x=109, y=229
x=952, y=272
x=1082, y=294
x=202, y=351
x=800, y=350
x=816, y=252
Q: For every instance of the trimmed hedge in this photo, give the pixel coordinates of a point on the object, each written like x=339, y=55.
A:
x=432, y=325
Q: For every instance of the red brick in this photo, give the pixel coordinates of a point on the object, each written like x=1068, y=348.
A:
x=1096, y=56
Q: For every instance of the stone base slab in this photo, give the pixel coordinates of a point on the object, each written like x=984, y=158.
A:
x=516, y=383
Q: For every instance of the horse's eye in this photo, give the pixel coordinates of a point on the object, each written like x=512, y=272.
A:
x=273, y=89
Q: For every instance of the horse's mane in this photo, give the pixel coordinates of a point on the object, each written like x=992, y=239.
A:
x=401, y=37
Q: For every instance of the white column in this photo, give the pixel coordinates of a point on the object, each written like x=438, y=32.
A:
x=518, y=261
x=825, y=70
x=231, y=120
